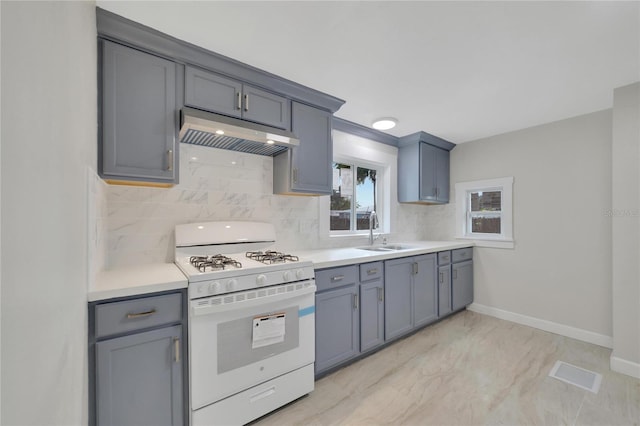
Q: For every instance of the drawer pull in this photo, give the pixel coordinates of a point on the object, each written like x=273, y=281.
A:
x=176, y=349
x=141, y=314
x=372, y=271
x=337, y=278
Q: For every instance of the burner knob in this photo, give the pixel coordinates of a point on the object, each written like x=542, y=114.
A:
x=287, y=275
x=261, y=279
x=299, y=274
x=214, y=287
x=231, y=284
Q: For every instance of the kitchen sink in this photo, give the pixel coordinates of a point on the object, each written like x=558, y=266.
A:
x=390, y=247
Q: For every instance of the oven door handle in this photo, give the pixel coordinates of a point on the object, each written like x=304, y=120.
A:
x=201, y=307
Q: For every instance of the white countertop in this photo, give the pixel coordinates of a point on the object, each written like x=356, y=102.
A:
x=135, y=280
x=329, y=258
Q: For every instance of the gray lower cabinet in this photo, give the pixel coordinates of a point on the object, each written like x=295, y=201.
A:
x=410, y=294
x=137, y=361
x=139, y=379
x=306, y=169
x=461, y=284
x=371, y=305
x=444, y=290
x=337, y=319
x=216, y=93
x=138, y=116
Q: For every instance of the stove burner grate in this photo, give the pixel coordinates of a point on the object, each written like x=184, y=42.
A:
x=268, y=257
x=215, y=262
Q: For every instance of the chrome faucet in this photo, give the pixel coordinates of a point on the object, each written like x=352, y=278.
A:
x=373, y=224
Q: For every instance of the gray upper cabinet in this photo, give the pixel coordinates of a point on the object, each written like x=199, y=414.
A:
x=216, y=93
x=138, y=137
x=423, y=169
x=306, y=169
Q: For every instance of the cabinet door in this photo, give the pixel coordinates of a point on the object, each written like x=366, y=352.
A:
x=212, y=92
x=139, y=379
x=444, y=290
x=462, y=284
x=265, y=107
x=428, y=183
x=398, y=309
x=442, y=175
x=425, y=300
x=336, y=326
x=371, y=314
x=138, y=115
x=311, y=161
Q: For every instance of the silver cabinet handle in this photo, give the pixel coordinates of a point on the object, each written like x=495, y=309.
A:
x=355, y=301
x=239, y=100
x=415, y=268
x=337, y=278
x=455, y=274
x=176, y=349
x=170, y=160
x=246, y=102
x=441, y=277
x=380, y=294
x=295, y=175
x=141, y=314
x=372, y=271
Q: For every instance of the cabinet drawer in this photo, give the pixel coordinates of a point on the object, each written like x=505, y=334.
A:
x=336, y=277
x=462, y=254
x=131, y=315
x=444, y=257
x=371, y=271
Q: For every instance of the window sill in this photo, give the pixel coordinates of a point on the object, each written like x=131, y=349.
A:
x=503, y=244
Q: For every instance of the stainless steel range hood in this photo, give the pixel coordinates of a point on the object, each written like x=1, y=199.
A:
x=218, y=131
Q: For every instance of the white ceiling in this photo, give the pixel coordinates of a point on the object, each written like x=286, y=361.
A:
x=458, y=70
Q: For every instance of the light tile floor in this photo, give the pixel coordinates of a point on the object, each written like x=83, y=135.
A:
x=469, y=369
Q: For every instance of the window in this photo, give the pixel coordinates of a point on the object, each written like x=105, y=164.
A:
x=484, y=212
x=353, y=198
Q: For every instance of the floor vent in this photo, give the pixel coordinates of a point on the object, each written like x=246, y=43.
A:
x=576, y=376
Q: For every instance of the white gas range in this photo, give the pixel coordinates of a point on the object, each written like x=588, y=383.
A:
x=251, y=321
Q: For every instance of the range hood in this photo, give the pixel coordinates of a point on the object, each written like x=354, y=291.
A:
x=218, y=131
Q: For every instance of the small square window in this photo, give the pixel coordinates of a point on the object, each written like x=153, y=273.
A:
x=484, y=212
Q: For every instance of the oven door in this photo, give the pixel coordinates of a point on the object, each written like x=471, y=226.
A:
x=243, y=339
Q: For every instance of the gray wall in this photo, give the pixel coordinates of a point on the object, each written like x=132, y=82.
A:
x=625, y=220
x=48, y=143
x=560, y=269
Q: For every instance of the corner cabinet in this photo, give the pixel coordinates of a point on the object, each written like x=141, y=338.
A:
x=138, y=116
x=137, y=361
x=306, y=169
x=423, y=169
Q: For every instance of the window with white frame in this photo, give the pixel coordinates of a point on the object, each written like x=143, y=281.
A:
x=484, y=212
x=353, y=198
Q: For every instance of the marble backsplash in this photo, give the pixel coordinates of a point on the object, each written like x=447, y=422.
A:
x=226, y=185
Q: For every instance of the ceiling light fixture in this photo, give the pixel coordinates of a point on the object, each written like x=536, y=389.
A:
x=385, y=123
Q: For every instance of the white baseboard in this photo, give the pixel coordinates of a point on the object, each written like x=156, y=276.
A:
x=553, y=327
x=623, y=366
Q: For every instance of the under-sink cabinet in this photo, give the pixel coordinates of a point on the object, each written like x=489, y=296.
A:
x=137, y=360
x=216, y=93
x=410, y=294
